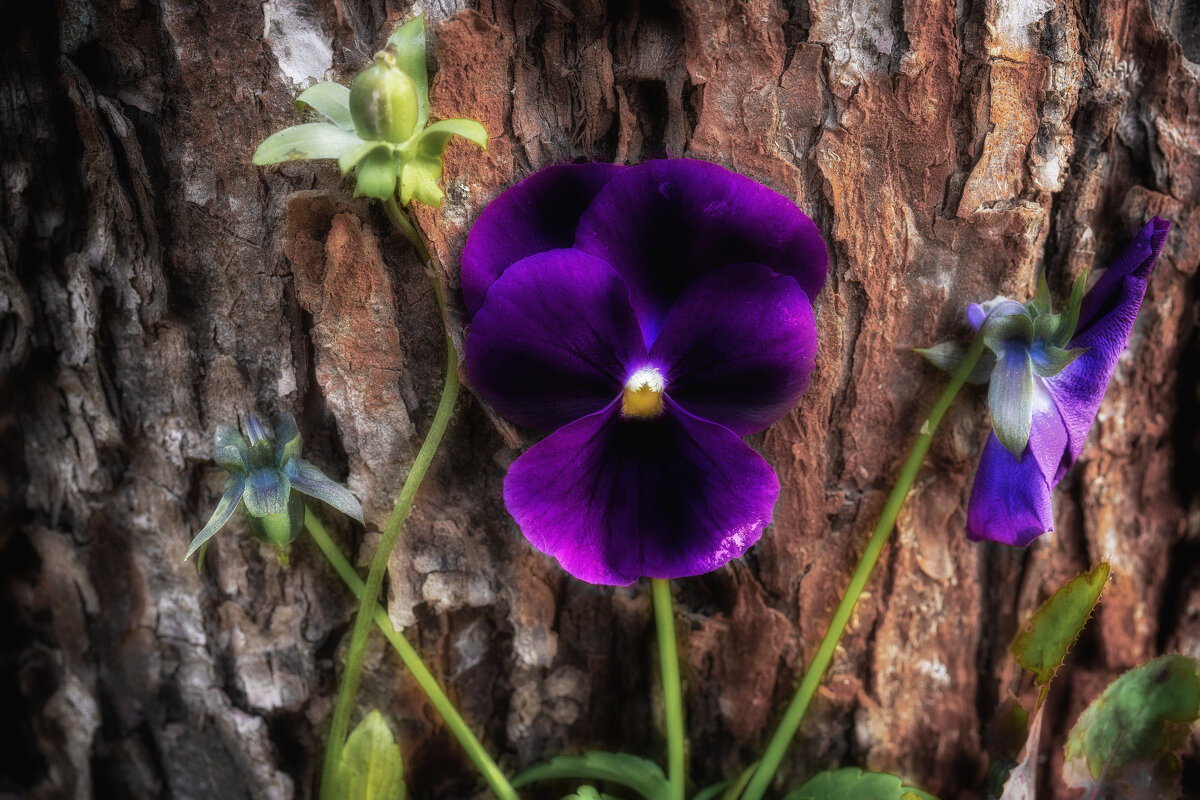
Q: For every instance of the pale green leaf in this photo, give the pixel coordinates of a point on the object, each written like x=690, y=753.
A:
x=949, y=356
x=370, y=767
x=300, y=142
x=331, y=100
x=851, y=783
x=310, y=480
x=419, y=178
x=1126, y=740
x=1010, y=399
x=433, y=140
x=229, y=449
x=642, y=776
x=267, y=492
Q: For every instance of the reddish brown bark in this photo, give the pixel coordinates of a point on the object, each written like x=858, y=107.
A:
x=154, y=284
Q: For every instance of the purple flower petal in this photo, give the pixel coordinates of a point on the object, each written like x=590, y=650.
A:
x=1135, y=262
x=539, y=213
x=1105, y=323
x=554, y=339
x=665, y=223
x=616, y=499
x=738, y=347
x=1010, y=500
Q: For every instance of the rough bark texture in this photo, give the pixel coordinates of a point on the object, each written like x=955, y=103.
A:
x=154, y=284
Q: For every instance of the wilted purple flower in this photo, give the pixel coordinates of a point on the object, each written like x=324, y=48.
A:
x=1048, y=374
x=649, y=316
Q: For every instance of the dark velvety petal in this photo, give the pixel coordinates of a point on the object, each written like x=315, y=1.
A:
x=1105, y=323
x=664, y=223
x=1010, y=501
x=554, y=340
x=1135, y=261
x=539, y=213
x=617, y=499
x=738, y=347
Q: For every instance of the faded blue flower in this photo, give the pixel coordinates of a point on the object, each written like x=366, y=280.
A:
x=267, y=477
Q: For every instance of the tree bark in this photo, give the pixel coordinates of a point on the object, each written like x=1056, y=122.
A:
x=155, y=284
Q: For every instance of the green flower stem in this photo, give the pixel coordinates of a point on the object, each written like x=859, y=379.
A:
x=490, y=771
x=362, y=623
x=405, y=226
x=792, y=717
x=664, y=617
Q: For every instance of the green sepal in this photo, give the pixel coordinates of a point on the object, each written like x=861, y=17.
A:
x=331, y=100
x=1010, y=400
x=421, y=165
x=1049, y=360
x=1006, y=324
x=1069, y=319
x=1126, y=740
x=407, y=43
x=375, y=175
x=234, y=486
x=287, y=440
x=1042, y=645
x=371, y=767
x=278, y=530
x=310, y=480
x=642, y=776
x=851, y=783
x=949, y=356
x=351, y=158
x=229, y=450
x=300, y=142
x=1041, y=304
x=267, y=492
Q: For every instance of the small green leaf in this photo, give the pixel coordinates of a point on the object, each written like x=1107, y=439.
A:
x=949, y=356
x=332, y=100
x=370, y=767
x=300, y=142
x=851, y=783
x=228, y=503
x=1010, y=399
x=408, y=45
x=1042, y=645
x=1126, y=739
x=375, y=175
x=642, y=776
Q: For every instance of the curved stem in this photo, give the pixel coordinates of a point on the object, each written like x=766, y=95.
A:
x=454, y=721
x=664, y=617
x=792, y=717
x=391, y=532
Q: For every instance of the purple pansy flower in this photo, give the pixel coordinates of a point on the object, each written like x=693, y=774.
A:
x=1048, y=373
x=649, y=317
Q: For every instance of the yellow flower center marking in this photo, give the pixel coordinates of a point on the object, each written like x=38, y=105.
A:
x=643, y=394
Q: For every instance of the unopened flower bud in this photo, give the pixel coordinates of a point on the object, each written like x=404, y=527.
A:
x=383, y=102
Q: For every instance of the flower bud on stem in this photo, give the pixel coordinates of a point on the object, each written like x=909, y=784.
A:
x=794, y=714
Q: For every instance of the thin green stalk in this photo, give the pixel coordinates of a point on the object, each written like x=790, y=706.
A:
x=664, y=617
x=490, y=771
x=792, y=717
x=362, y=623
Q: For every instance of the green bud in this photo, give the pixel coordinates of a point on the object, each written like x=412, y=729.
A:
x=383, y=102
